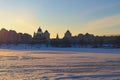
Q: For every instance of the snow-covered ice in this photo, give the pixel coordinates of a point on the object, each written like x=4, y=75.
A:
x=59, y=64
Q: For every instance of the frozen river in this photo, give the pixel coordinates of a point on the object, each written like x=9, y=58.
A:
x=58, y=65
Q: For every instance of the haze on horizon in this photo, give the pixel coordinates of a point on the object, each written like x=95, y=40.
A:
x=99, y=17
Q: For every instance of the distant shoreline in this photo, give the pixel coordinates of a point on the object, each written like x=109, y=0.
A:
x=27, y=47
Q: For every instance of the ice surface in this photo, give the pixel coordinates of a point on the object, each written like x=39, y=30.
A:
x=58, y=64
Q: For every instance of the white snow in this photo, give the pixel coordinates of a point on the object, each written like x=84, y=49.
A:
x=23, y=62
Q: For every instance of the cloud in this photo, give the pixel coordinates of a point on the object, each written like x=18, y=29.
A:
x=102, y=23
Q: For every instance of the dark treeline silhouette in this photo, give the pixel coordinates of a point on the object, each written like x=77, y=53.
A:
x=81, y=40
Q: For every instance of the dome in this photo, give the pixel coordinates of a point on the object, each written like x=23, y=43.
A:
x=39, y=29
x=68, y=31
x=46, y=31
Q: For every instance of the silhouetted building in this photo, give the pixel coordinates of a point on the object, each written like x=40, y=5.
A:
x=26, y=38
x=12, y=36
x=68, y=35
x=41, y=37
x=47, y=35
x=19, y=38
x=4, y=35
x=82, y=40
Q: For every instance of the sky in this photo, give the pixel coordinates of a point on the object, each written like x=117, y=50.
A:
x=99, y=17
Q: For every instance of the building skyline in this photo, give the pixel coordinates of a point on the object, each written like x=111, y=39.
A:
x=43, y=38
x=67, y=33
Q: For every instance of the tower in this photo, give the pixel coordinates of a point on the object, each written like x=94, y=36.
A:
x=68, y=35
x=39, y=36
x=47, y=35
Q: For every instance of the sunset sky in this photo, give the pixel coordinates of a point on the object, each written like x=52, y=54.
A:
x=99, y=17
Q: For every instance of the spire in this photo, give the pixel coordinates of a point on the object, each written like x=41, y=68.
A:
x=34, y=34
x=57, y=37
x=39, y=27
